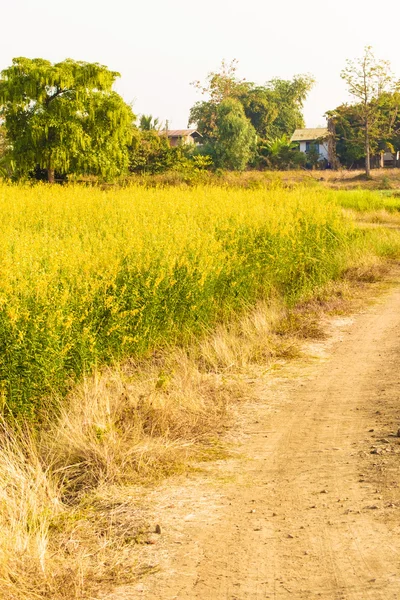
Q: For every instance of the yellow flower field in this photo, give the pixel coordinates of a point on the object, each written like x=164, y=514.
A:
x=90, y=276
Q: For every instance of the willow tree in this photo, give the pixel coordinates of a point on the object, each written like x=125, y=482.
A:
x=64, y=117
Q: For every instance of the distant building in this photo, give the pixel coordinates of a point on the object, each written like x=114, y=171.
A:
x=177, y=137
x=319, y=139
x=389, y=159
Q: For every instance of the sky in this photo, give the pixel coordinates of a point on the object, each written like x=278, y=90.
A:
x=160, y=46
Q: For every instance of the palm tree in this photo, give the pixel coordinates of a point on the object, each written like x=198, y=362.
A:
x=148, y=123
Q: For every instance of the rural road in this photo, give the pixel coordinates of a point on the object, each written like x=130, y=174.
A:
x=310, y=507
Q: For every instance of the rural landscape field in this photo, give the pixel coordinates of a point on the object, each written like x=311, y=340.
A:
x=131, y=322
x=199, y=301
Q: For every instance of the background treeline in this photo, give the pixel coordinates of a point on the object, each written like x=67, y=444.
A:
x=64, y=120
x=350, y=133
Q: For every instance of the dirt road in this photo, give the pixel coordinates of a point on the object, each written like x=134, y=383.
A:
x=310, y=507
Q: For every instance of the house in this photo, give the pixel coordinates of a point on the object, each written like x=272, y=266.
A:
x=389, y=159
x=177, y=137
x=319, y=139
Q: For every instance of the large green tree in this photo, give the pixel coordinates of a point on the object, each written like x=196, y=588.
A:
x=350, y=143
x=235, y=139
x=64, y=117
x=288, y=97
x=367, y=79
x=274, y=109
x=350, y=129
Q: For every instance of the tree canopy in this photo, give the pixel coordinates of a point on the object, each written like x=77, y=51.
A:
x=235, y=141
x=274, y=109
x=371, y=124
x=368, y=80
x=64, y=117
x=350, y=129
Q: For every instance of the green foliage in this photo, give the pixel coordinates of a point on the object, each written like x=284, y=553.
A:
x=3, y=141
x=285, y=100
x=149, y=152
x=368, y=79
x=223, y=84
x=350, y=142
x=280, y=153
x=367, y=201
x=235, y=140
x=274, y=109
x=262, y=110
x=6, y=163
x=64, y=117
x=148, y=123
x=350, y=129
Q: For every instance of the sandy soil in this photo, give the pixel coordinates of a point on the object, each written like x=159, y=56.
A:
x=309, y=507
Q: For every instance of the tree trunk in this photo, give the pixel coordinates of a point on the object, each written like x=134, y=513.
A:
x=50, y=175
x=367, y=151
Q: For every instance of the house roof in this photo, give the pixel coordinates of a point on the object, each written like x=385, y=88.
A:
x=309, y=134
x=181, y=133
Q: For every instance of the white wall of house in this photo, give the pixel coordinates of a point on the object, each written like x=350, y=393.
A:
x=303, y=146
x=323, y=149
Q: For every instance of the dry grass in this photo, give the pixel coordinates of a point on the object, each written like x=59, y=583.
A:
x=380, y=179
x=235, y=346
x=377, y=217
x=345, y=179
x=136, y=421
x=70, y=518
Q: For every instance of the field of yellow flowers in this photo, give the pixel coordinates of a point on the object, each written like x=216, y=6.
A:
x=89, y=277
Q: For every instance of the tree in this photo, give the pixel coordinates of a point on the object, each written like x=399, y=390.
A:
x=3, y=141
x=350, y=134
x=218, y=87
x=64, y=117
x=148, y=123
x=367, y=79
x=235, y=141
x=288, y=97
x=262, y=110
x=274, y=109
x=223, y=84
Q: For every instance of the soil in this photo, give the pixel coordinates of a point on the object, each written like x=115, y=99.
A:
x=308, y=505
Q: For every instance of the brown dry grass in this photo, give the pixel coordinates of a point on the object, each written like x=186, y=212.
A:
x=346, y=179
x=380, y=179
x=376, y=217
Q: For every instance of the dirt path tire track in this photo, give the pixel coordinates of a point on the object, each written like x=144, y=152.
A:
x=297, y=516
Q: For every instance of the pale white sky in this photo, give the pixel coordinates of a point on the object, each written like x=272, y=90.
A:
x=159, y=47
